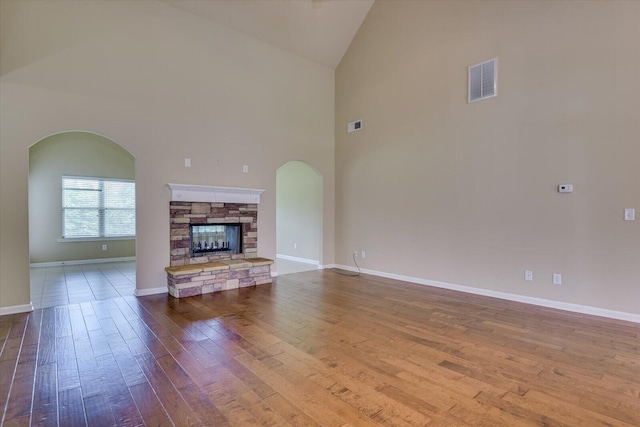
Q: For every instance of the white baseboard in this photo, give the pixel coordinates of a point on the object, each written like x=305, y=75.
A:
x=326, y=266
x=576, y=308
x=151, y=291
x=15, y=309
x=296, y=259
x=80, y=262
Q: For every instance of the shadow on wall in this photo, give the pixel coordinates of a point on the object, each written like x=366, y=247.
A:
x=78, y=154
x=299, y=192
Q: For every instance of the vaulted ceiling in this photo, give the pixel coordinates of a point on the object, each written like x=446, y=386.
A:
x=320, y=30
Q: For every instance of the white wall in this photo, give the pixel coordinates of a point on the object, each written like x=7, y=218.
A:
x=76, y=154
x=165, y=85
x=298, y=211
x=466, y=194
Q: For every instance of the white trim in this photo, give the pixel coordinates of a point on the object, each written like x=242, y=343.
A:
x=274, y=273
x=81, y=261
x=151, y=291
x=103, y=178
x=93, y=239
x=15, y=309
x=326, y=266
x=296, y=259
x=576, y=308
x=211, y=194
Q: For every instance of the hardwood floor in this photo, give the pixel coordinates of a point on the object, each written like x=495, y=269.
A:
x=317, y=348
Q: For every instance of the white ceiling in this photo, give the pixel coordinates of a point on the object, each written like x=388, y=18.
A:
x=320, y=30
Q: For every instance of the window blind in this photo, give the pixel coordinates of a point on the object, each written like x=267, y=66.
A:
x=98, y=207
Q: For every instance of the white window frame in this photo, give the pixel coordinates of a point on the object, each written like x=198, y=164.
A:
x=101, y=211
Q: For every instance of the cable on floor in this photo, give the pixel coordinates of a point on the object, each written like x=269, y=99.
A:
x=335, y=270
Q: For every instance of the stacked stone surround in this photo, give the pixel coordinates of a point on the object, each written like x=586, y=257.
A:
x=218, y=271
x=184, y=214
x=197, y=279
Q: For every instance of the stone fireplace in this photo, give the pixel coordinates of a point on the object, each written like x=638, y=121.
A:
x=214, y=240
x=208, y=219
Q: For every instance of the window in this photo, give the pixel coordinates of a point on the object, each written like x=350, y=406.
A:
x=97, y=207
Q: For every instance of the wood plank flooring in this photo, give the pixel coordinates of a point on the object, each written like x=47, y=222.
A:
x=317, y=349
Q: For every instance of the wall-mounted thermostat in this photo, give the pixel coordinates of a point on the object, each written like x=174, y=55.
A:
x=354, y=126
x=565, y=188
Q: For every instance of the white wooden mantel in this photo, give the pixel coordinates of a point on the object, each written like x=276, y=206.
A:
x=211, y=194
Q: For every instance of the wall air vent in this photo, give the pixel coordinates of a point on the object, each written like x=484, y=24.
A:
x=354, y=126
x=483, y=80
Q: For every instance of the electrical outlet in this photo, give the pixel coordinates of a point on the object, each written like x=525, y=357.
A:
x=363, y=254
x=295, y=246
x=528, y=275
x=557, y=279
x=187, y=162
x=355, y=253
x=245, y=168
x=104, y=247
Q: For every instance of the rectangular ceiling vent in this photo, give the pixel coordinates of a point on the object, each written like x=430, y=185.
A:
x=483, y=79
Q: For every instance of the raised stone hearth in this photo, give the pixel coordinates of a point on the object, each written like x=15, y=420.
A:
x=197, y=279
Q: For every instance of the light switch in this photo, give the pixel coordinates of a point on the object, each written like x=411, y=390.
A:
x=187, y=163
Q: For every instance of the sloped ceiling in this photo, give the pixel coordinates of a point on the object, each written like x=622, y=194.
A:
x=319, y=30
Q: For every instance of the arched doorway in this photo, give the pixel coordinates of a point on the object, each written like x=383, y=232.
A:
x=82, y=243
x=299, y=191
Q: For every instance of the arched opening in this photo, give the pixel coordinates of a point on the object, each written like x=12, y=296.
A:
x=299, y=191
x=82, y=243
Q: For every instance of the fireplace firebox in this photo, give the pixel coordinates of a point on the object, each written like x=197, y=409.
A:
x=215, y=239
